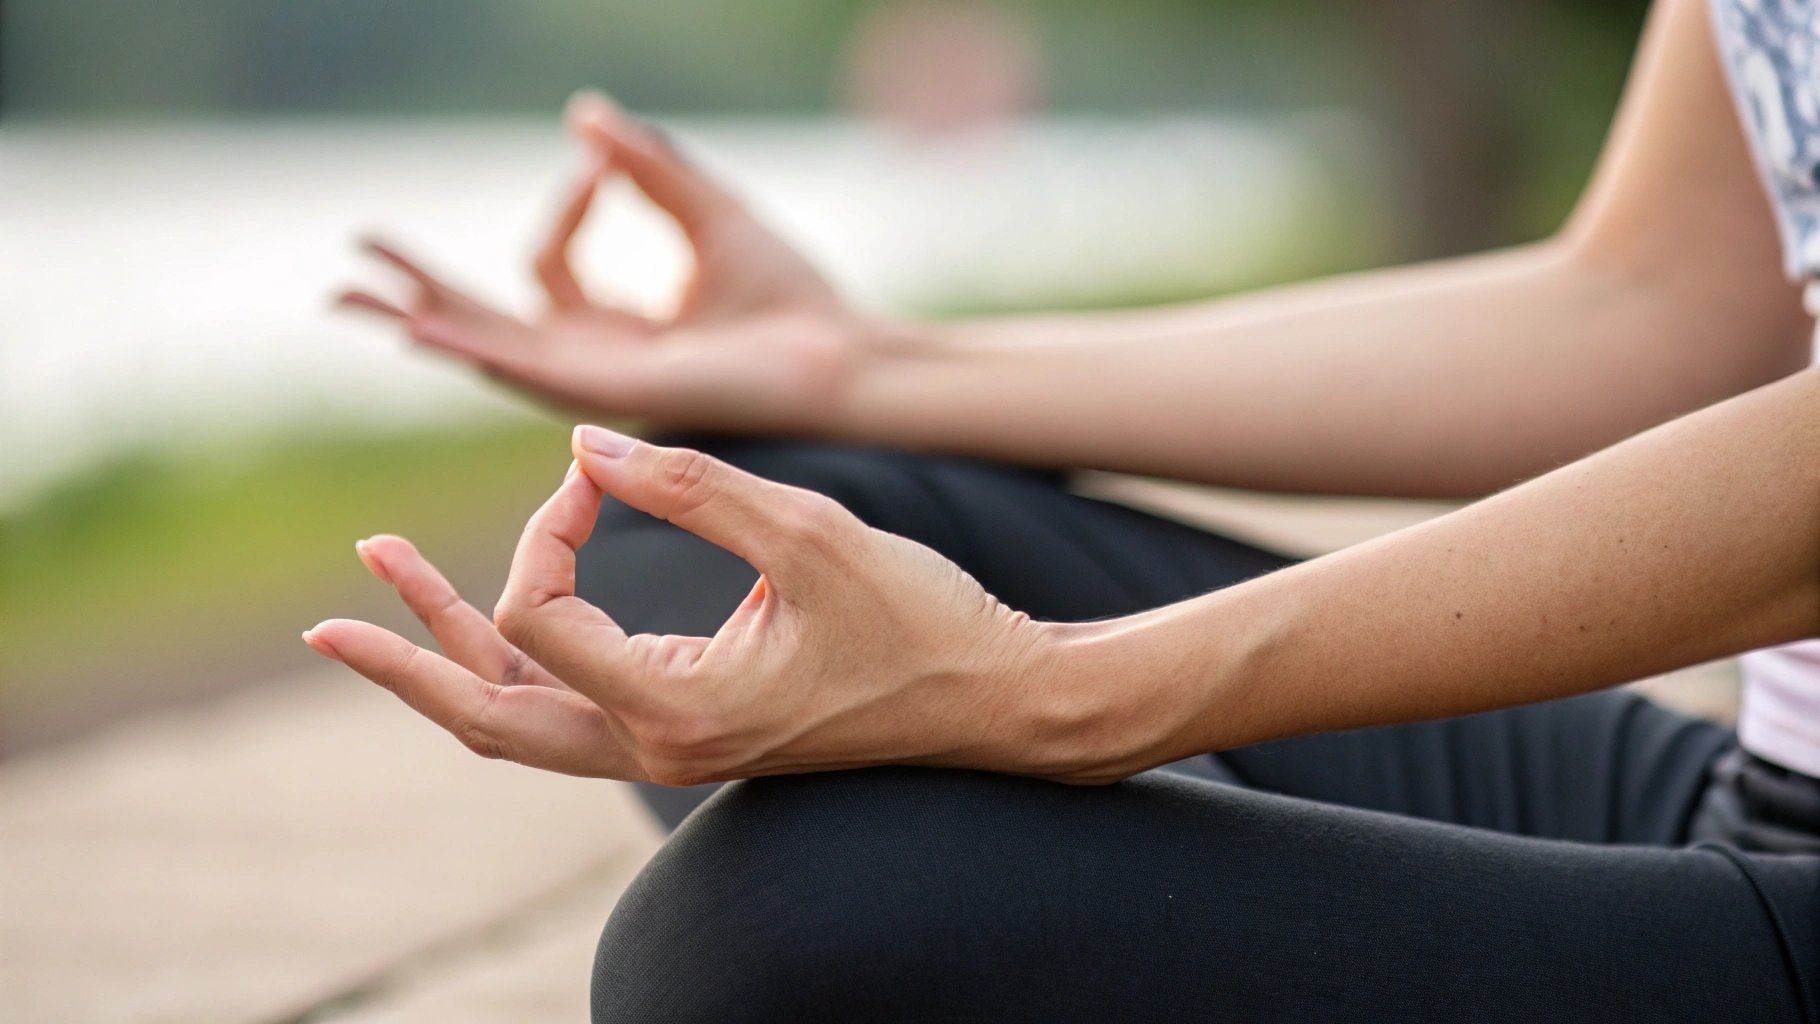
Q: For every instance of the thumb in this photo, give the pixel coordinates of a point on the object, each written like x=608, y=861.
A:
x=661, y=172
x=787, y=533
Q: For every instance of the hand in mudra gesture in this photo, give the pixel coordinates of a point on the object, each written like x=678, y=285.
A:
x=855, y=647
x=759, y=340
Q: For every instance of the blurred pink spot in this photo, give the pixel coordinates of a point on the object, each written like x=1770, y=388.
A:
x=941, y=68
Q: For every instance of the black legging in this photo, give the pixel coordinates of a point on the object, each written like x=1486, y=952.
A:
x=1523, y=865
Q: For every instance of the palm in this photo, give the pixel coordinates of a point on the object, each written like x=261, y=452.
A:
x=752, y=344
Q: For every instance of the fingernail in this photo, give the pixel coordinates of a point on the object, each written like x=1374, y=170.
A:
x=574, y=468
x=603, y=442
x=371, y=561
x=319, y=645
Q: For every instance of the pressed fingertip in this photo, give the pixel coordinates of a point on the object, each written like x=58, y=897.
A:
x=600, y=441
x=590, y=103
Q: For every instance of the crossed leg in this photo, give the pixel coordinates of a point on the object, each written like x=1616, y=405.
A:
x=1458, y=876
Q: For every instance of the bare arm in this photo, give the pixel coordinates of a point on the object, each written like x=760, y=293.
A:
x=1695, y=540
x=1663, y=294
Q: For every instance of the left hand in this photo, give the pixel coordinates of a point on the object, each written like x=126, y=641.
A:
x=760, y=342
x=855, y=647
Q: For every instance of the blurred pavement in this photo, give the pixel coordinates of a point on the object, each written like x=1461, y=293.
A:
x=309, y=849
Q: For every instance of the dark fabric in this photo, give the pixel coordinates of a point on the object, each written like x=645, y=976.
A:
x=1490, y=867
x=1038, y=548
x=912, y=895
x=1756, y=805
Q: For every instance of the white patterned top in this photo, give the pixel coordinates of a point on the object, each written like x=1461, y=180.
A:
x=1771, y=53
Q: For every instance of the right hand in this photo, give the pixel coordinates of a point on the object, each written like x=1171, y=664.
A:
x=760, y=341
x=854, y=647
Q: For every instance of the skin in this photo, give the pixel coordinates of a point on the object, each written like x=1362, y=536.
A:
x=1662, y=295
x=811, y=669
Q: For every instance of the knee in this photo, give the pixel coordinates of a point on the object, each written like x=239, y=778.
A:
x=906, y=893
x=779, y=895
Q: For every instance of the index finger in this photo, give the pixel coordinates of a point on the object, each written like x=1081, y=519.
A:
x=539, y=612
x=554, y=263
x=695, y=201
x=787, y=533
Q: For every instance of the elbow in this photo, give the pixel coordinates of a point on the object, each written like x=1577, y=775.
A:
x=1727, y=321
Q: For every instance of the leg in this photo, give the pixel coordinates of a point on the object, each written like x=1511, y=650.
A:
x=1604, y=768
x=1608, y=767
x=912, y=895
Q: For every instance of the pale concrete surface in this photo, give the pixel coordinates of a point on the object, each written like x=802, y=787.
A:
x=535, y=971
x=261, y=857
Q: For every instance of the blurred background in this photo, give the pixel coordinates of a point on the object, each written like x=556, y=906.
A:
x=190, y=440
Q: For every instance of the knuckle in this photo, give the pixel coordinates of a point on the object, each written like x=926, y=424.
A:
x=664, y=776
x=671, y=772
x=472, y=730
x=806, y=519
x=678, y=748
x=480, y=741
x=438, y=608
x=517, y=669
x=395, y=673
x=445, y=604
x=687, y=476
x=677, y=736
x=514, y=622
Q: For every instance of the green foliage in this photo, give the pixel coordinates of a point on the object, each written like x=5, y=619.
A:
x=183, y=56
x=167, y=550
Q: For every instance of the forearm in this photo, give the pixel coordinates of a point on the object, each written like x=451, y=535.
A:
x=1696, y=540
x=1452, y=379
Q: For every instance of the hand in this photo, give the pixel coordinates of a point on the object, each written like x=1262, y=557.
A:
x=759, y=342
x=855, y=647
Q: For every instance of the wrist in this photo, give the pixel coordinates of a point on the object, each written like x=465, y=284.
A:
x=885, y=382
x=1094, y=704
x=1106, y=700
